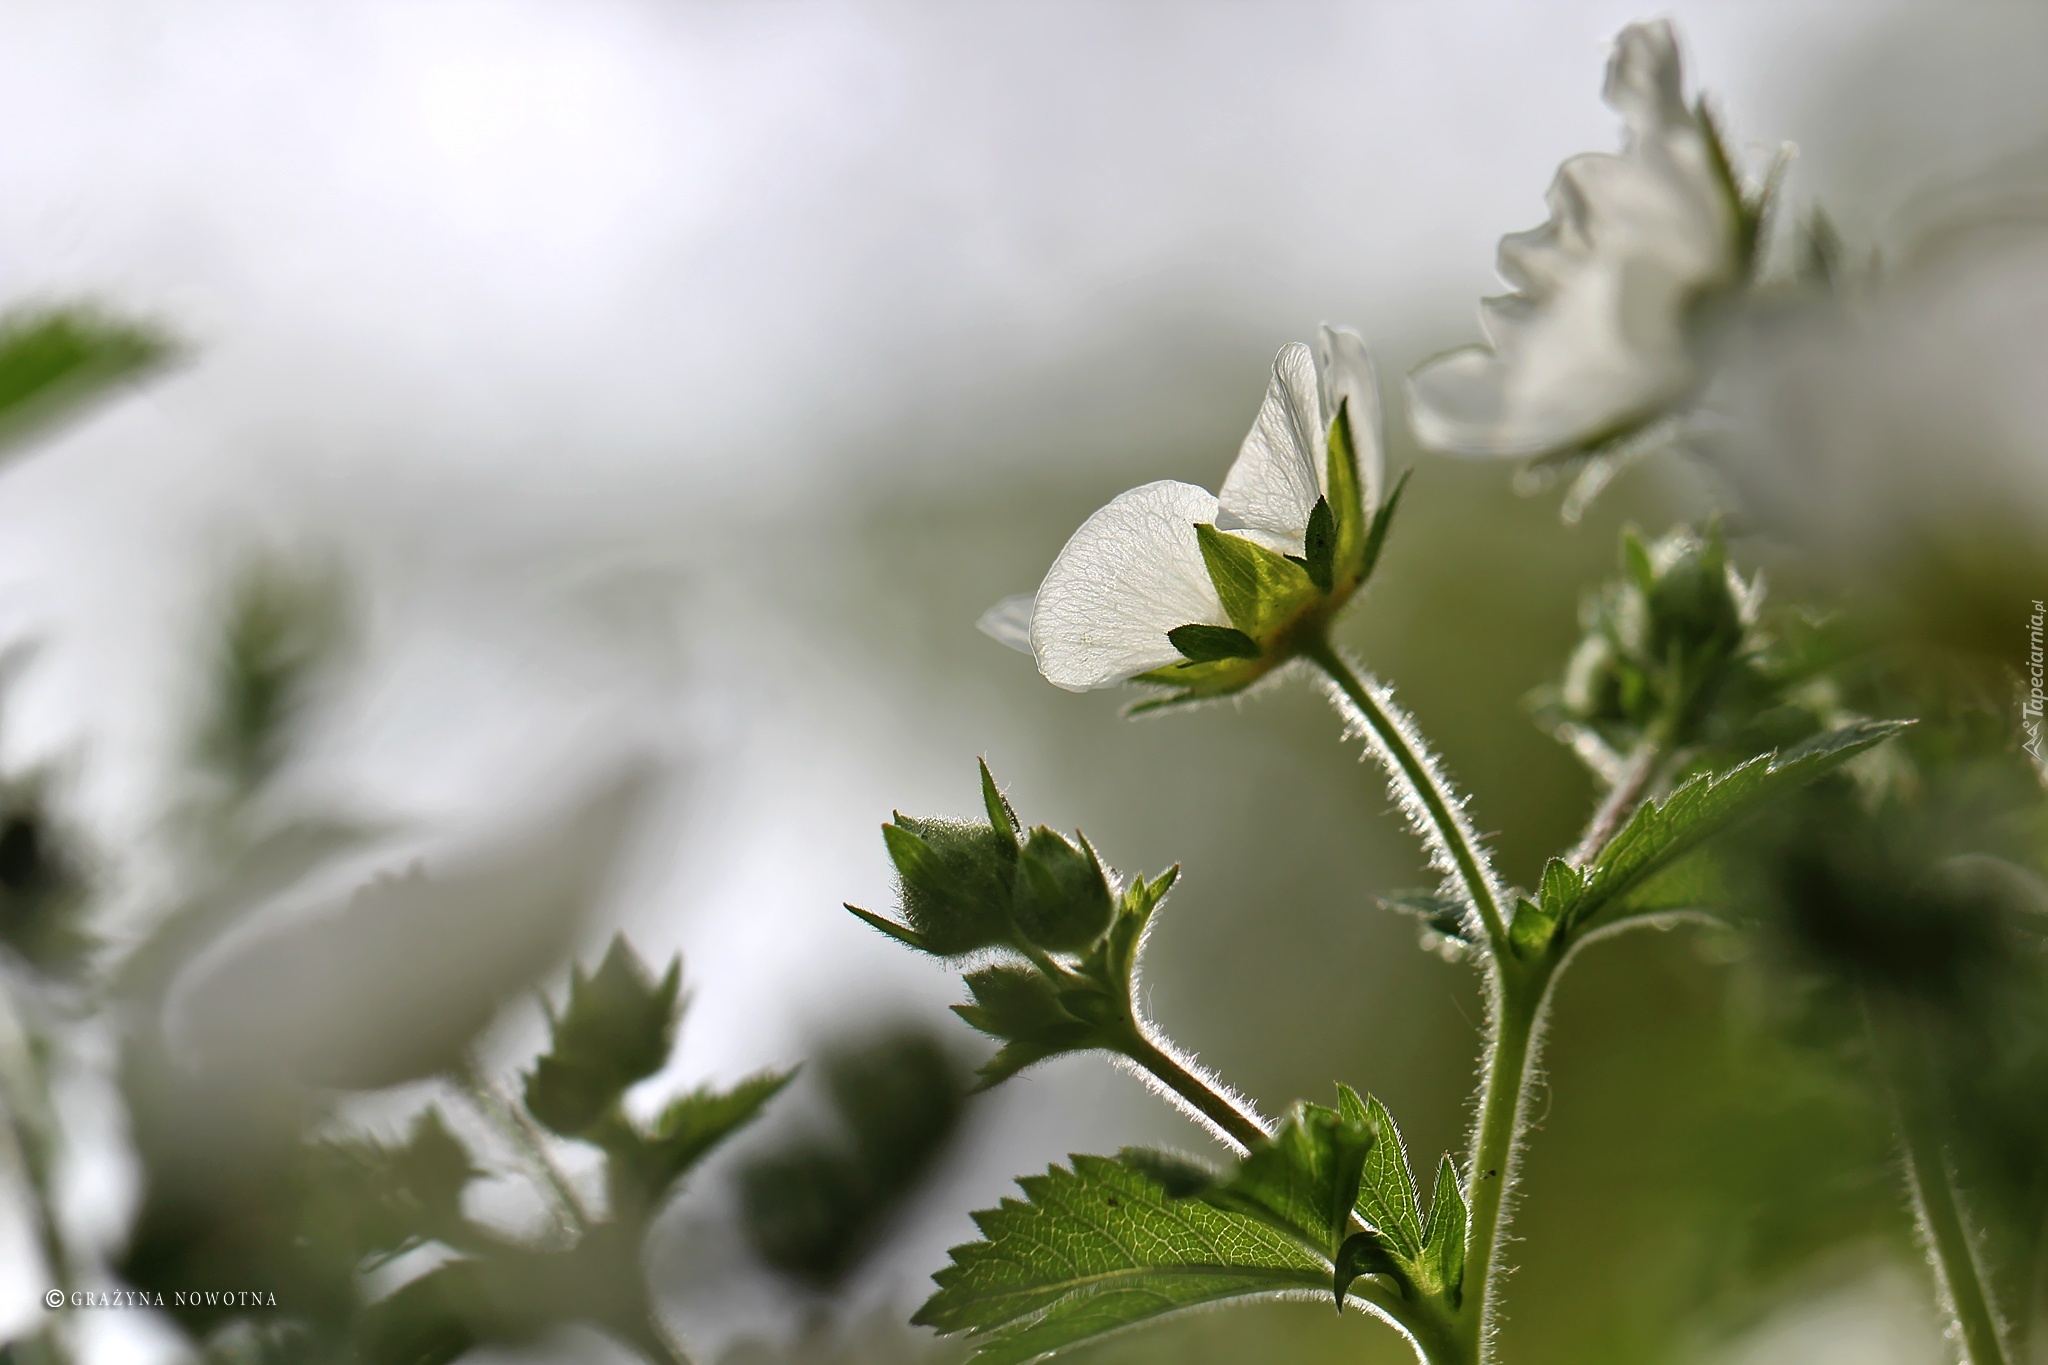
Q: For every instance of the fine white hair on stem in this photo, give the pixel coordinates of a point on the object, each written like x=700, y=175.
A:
x=1442, y=856
x=1187, y=1062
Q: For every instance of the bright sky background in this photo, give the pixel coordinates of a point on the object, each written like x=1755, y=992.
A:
x=506, y=299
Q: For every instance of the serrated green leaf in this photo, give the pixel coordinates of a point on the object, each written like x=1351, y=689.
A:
x=55, y=361
x=1443, y=1234
x=1386, y=1187
x=1304, y=1181
x=1259, y=588
x=1098, y=1248
x=1660, y=833
x=1212, y=644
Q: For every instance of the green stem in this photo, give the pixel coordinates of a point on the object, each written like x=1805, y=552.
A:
x=1903, y=1057
x=511, y=1120
x=1621, y=800
x=1229, y=1116
x=1436, y=812
x=1520, y=993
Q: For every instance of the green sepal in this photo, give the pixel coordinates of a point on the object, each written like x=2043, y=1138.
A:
x=1260, y=589
x=1443, y=1235
x=616, y=1030
x=957, y=882
x=1002, y=818
x=1319, y=546
x=1119, y=951
x=1020, y=1008
x=1304, y=1180
x=1382, y=520
x=1063, y=902
x=1212, y=644
x=1346, y=501
x=1386, y=1188
x=1365, y=1253
x=894, y=930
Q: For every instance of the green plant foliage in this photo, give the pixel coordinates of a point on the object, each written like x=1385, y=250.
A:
x=818, y=1202
x=1305, y=1181
x=615, y=1031
x=55, y=361
x=1660, y=833
x=1102, y=1246
x=1261, y=589
x=1063, y=902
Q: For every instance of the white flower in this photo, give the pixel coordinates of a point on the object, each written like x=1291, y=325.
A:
x=1136, y=570
x=1593, y=342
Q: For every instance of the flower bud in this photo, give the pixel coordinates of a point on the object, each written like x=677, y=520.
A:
x=957, y=881
x=1063, y=900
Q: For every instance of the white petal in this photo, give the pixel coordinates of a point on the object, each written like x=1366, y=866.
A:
x=1593, y=340
x=1009, y=621
x=1345, y=373
x=1131, y=573
x=1279, y=471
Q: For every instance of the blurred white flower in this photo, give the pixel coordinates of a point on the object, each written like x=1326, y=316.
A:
x=398, y=983
x=1137, y=571
x=1594, y=341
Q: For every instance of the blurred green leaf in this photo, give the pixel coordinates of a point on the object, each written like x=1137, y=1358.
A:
x=55, y=361
x=615, y=1031
x=817, y=1204
x=1100, y=1247
x=646, y=1166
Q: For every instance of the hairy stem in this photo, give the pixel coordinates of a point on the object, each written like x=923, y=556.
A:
x=1227, y=1115
x=1620, y=802
x=1520, y=993
x=1903, y=1059
x=1430, y=803
x=511, y=1120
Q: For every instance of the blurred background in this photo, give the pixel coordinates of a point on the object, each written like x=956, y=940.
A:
x=674, y=383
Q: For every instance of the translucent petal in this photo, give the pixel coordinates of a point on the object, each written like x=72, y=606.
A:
x=1009, y=621
x=1130, y=574
x=1278, y=474
x=1345, y=373
x=1593, y=340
